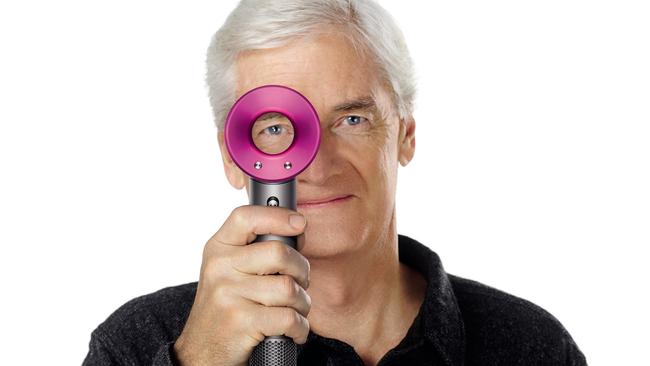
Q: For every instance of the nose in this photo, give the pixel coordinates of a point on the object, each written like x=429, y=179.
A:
x=324, y=164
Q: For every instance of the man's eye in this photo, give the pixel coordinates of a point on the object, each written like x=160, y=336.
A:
x=274, y=130
x=354, y=120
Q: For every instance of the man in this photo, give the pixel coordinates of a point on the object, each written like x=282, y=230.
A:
x=354, y=292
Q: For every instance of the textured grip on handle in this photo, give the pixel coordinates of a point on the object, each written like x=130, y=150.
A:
x=275, y=351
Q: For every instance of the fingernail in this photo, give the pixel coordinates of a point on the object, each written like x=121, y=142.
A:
x=297, y=221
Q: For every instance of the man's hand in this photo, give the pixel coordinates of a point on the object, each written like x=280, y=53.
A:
x=237, y=303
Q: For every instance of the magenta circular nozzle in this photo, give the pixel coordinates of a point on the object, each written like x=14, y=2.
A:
x=272, y=168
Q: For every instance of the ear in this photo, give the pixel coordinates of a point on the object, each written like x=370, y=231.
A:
x=235, y=176
x=406, y=140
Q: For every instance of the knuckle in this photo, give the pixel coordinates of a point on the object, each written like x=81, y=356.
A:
x=288, y=286
x=307, y=273
x=290, y=318
x=279, y=251
x=210, y=248
x=222, y=293
x=307, y=302
x=213, y=268
x=240, y=214
x=207, y=249
x=237, y=318
x=307, y=264
x=303, y=333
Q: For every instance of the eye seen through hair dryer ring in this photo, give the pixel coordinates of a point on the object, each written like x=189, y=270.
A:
x=272, y=133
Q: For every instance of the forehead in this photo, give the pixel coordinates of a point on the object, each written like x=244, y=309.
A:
x=325, y=68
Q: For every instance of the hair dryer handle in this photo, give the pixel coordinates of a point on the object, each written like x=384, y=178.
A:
x=274, y=350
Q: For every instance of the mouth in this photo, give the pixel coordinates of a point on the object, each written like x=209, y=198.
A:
x=324, y=202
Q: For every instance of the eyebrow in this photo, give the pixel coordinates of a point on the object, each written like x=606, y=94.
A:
x=356, y=104
x=270, y=115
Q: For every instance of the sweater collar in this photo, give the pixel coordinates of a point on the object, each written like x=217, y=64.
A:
x=442, y=323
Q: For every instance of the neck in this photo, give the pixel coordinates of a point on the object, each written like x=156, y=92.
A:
x=351, y=284
x=367, y=300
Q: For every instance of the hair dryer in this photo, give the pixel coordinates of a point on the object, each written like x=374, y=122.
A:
x=272, y=176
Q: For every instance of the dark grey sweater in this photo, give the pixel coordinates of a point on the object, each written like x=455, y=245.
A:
x=461, y=322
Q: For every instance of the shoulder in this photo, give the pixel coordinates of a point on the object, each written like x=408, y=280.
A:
x=497, y=324
x=484, y=305
x=157, y=311
x=137, y=329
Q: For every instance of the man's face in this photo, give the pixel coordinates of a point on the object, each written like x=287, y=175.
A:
x=362, y=140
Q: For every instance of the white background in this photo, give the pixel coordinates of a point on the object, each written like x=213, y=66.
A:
x=531, y=172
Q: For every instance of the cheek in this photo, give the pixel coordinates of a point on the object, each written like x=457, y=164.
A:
x=374, y=158
x=381, y=154
x=376, y=163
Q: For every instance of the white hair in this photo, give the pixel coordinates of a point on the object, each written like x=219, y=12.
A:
x=263, y=24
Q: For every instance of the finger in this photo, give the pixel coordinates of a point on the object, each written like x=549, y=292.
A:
x=246, y=222
x=271, y=257
x=270, y=321
x=275, y=290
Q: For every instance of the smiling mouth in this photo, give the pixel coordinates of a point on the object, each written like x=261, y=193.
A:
x=324, y=202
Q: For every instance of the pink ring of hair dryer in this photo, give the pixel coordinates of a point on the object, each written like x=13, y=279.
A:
x=272, y=168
